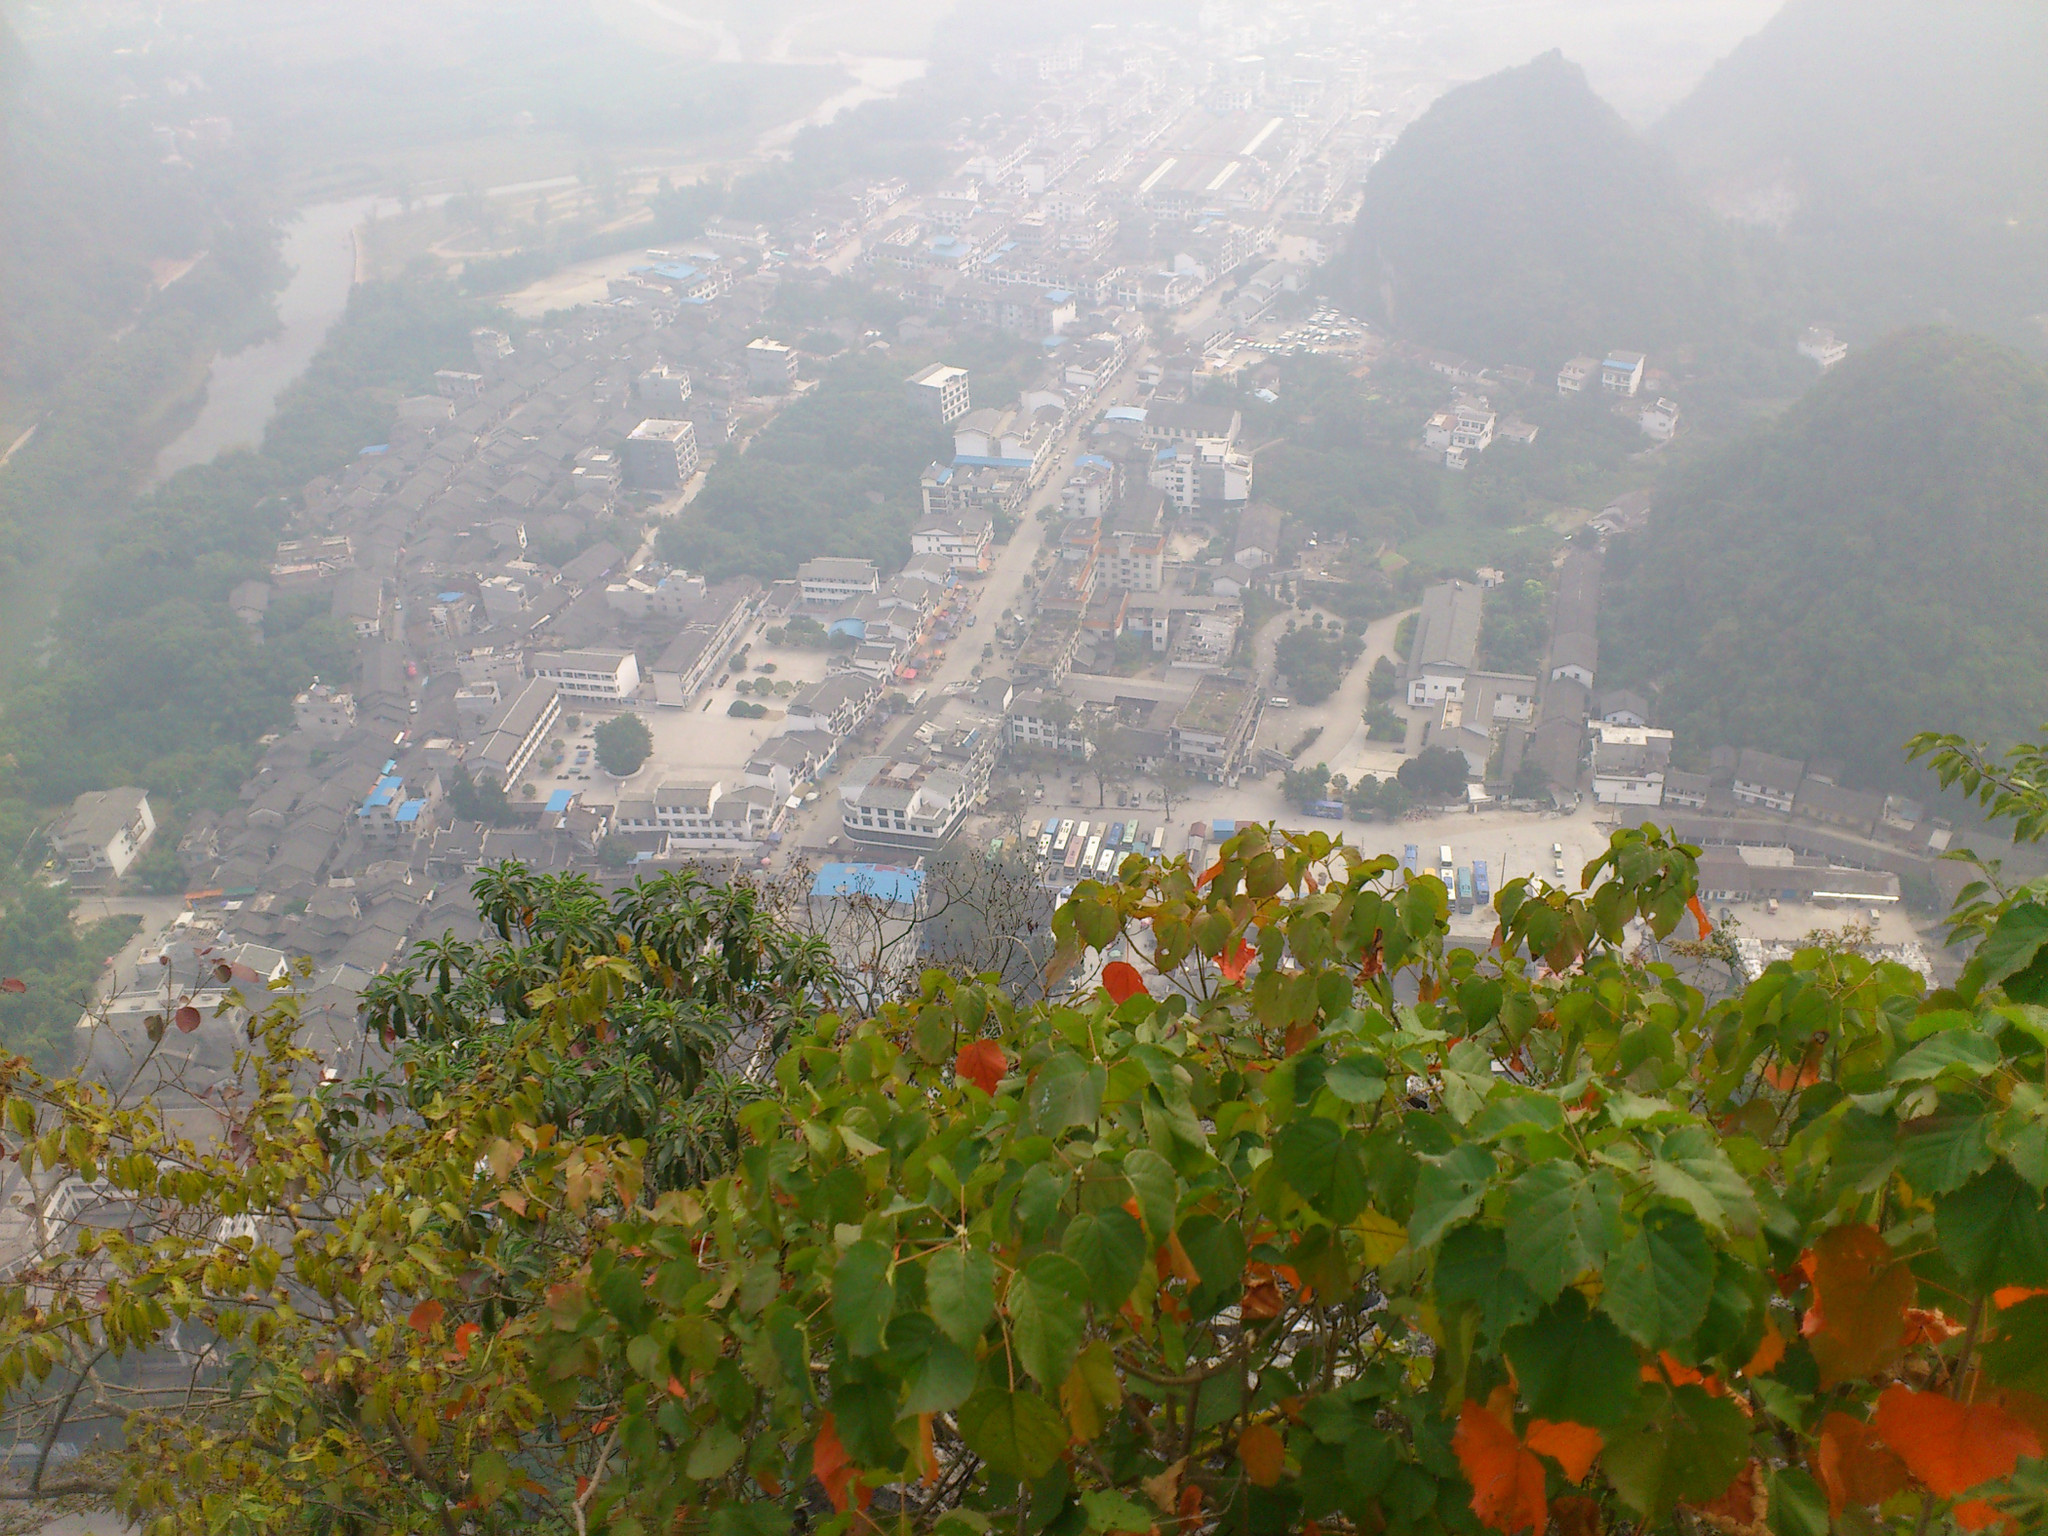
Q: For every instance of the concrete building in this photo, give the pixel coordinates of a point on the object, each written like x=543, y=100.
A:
x=964, y=540
x=830, y=580
x=591, y=676
x=1771, y=782
x=1621, y=373
x=104, y=834
x=514, y=734
x=1571, y=378
x=701, y=816
x=1575, y=619
x=1821, y=345
x=771, y=366
x=1211, y=734
x=659, y=455
x=1629, y=764
x=1445, y=650
x=939, y=393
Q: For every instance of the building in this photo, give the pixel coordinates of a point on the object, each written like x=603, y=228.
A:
x=771, y=366
x=1258, y=536
x=831, y=580
x=1686, y=789
x=592, y=676
x=917, y=797
x=1621, y=373
x=104, y=834
x=323, y=712
x=1629, y=764
x=1767, y=781
x=1749, y=873
x=712, y=625
x=359, y=603
x=659, y=455
x=838, y=706
x=1659, y=420
x=662, y=386
x=701, y=816
x=1211, y=734
x=1445, y=650
x=1571, y=378
x=1832, y=805
x=1820, y=344
x=964, y=540
x=1193, y=424
x=514, y=734
x=1575, y=619
x=939, y=393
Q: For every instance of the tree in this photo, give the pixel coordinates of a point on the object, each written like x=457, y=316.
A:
x=1318, y=1216
x=473, y=801
x=159, y=869
x=1383, y=682
x=623, y=744
x=1304, y=785
x=1436, y=773
x=1530, y=781
x=1382, y=724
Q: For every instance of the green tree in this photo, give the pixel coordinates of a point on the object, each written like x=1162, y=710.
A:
x=1382, y=724
x=1436, y=773
x=623, y=744
x=159, y=869
x=1383, y=682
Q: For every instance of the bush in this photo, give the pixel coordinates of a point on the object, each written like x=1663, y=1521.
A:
x=740, y=709
x=623, y=744
x=1382, y=724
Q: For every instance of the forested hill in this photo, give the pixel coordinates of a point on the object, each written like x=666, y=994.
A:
x=1865, y=566
x=1520, y=220
x=1900, y=147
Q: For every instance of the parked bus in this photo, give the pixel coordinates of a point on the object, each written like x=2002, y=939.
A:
x=1060, y=836
x=1030, y=832
x=1158, y=842
x=1446, y=867
x=1106, y=865
x=1411, y=858
x=1090, y=853
x=1465, y=888
x=1075, y=847
x=1114, y=835
x=1044, y=846
x=1482, y=893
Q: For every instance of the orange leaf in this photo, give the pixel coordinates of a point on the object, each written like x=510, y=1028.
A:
x=1853, y=1465
x=981, y=1063
x=1507, y=1482
x=1699, y=915
x=1177, y=1261
x=1951, y=1446
x=1929, y=1325
x=1975, y=1514
x=834, y=1468
x=464, y=1337
x=1769, y=1351
x=1190, y=1504
x=1788, y=1079
x=1234, y=964
x=2012, y=1295
x=1743, y=1503
x=1298, y=1038
x=1262, y=1299
x=1571, y=1446
x=1208, y=874
x=1263, y=1454
x=1122, y=981
x=927, y=1458
x=425, y=1315
x=1861, y=1290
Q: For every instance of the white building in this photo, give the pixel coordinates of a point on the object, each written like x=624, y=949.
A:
x=1571, y=378
x=831, y=580
x=940, y=392
x=105, y=833
x=599, y=676
x=1767, y=781
x=964, y=540
x=771, y=366
x=1621, y=373
x=1820, y=344
x=1629, y=764
x=1659, y=420
x=659, y=455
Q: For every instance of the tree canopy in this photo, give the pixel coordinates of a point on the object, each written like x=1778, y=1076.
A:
x=623, y=743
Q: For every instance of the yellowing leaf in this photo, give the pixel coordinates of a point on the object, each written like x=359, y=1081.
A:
x=1384, y=1237
x=1263, y=1453
x=1857, y=1324
x=1078, y=1403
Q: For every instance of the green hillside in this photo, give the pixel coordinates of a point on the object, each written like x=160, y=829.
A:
x=1900, y=147
x=1863, y=567
x=1520, y=220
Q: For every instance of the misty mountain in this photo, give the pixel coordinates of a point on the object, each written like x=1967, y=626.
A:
x=1864, y=566
x=1901, y=149
x=1522, y=221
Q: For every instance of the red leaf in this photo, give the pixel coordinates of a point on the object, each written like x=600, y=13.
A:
x=1507, y=1482
x=1768, y=1353
x=1951, y=1446
x=186, y=1018
x=1262, y=1299
x=13, y=984
x=834, y=1468
x=1571, y=1446
x=425, y=1315
x=1861, y=1291
x=1237, y=962
x=981, y=1063
x=464, y=1337
x=1209, y=874
x=1699, y=915
x=1122, y=981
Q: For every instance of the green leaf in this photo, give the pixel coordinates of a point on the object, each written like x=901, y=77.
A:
x=2013, y=942
x=2017, y=1355
x=1066, y=1092
x=1573, y=1363
x=1690, y=1446
x=713, y=1454
x=1472, y=1270
x=1110, y=1246
x=1216, y=1248
x=1447, y=1190
x=1111, y=1511
x=1967, y=1052
x=1658, y=1283
x=1047, y=1303
x=1157, y=1187
x=862, y=1297
x=2023, y=1134
x=1941, y=1152
x=1559, y=1220
x=1356, y=1080
x=648, y=1357
x=942, y=1380
x=1018, y=1434
x=960, y=1285
x=1322, y=1165
x=1994, y=1232
x=1691, y=1168
x=1799, y=1505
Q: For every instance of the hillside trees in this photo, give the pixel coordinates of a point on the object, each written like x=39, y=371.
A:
x=1397, y=1235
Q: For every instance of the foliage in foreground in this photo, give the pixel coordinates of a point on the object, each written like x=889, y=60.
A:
x=1341, y=1224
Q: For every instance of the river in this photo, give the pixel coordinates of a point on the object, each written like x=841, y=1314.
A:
x=242, y=387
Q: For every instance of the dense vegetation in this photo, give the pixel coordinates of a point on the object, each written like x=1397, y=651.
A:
x=1901, y=149
x=1868, y=558
x=1514, y=627
x=1519, y=220
x=151, y=680
x=1315, y=656
x=1321, y=1217
x=57, y=959
x=836, y=473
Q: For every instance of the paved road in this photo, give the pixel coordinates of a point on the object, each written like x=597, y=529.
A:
x=1342, y=715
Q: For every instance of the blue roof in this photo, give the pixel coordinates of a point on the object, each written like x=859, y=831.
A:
x=557, y=802
x=374, y=448
x=410, y=811
x=1222, y=829
x=387, y=790
x=895, y=883
x=674, y=271
x=449, y=597
x=1124, y=413
x=1091, y=458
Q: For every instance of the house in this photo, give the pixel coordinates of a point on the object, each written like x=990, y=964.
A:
x=917, y=799
x=1629, y=764
x=939, y=393
x=359, y=603
x=1621, y=373
x=590, y=676
x=104, y=834
x=788, y=760
x=1008, y=439
x=837, y=706
x=1743, y=872
x=1472, y=419
x=1211, y=734
x=1686, y=789
x=513, y=734
x=964, y=540
x=1767, y=781
x=1818, y=800
x=771, y=366
x=323, y=712
x=831, y=580
x=712, y=624
x=1438, y=431
x=659, y=455
x=1820, y=344
x=1167, y=424
x=1445, y=648
x=1623, y=706
x=702, y=816
x=1571, y=378
x=1574, y=619
x=662, y=385
x=1258, y=536
x=1659, y=420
